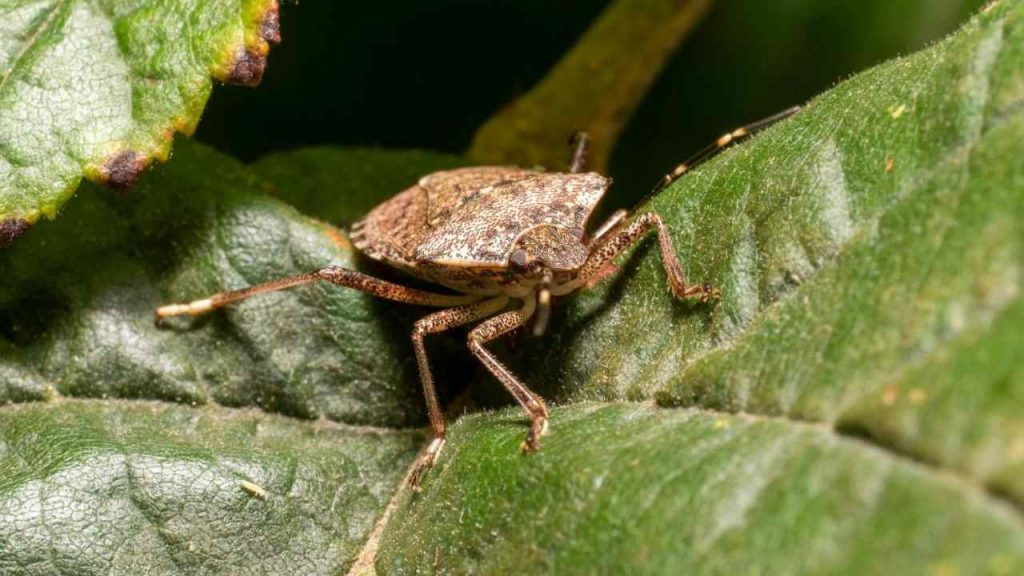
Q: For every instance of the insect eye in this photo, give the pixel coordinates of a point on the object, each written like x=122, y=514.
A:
x=519, y=258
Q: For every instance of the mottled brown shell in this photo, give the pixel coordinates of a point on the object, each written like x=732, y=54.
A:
x=459, y=227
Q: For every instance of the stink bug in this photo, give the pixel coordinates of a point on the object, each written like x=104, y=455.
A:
x=496, y=236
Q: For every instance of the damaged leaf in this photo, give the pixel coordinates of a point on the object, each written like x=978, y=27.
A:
x=98, y=89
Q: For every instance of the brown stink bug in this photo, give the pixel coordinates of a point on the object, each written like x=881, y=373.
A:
x=496, y=236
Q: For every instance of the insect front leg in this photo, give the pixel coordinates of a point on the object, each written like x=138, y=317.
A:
x=533, y=404
x=333, y=274
x=433, y=324
x=615, y=243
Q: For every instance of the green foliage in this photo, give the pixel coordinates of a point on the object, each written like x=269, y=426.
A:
x=111, y=487
x=99, y=88
x=625, y=488
x=852, y=405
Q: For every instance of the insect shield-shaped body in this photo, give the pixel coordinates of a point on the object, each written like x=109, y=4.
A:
x=505, y=240
x=487, y=230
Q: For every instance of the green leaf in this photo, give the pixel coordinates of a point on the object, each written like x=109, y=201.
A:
x=97, y=89
x=113, y=487
x=628, y=488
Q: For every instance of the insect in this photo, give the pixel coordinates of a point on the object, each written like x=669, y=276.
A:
x=505, y=240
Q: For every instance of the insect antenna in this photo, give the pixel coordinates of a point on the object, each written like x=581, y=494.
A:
x=580, y=144
x=540, y=322
x=723, y=142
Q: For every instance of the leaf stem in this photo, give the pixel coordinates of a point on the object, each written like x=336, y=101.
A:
x=595, y=87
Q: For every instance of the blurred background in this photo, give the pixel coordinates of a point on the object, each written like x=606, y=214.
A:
x=414, y=74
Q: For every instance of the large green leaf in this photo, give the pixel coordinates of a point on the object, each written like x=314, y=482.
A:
x=627, y=488
x=852, y=405
x=111, y=487
x=97, y=89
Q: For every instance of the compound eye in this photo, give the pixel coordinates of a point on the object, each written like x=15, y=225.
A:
x=519, y=259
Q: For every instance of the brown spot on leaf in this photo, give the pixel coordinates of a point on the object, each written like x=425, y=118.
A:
x=10, y=229
x=270, y=28
x=122, y=171
x=248, y=69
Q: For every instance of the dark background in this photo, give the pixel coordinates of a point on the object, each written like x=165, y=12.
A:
x=425, y=74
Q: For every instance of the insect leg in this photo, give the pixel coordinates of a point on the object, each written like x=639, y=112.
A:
x=433, y=324
x=616, y=243
x=333, y=274
x=494, y=328
x=720, y=144
x=581, y=143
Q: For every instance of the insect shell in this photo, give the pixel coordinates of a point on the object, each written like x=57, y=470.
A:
x=485, y=230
